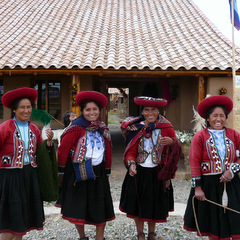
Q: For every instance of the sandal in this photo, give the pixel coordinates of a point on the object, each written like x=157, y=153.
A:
x=152, y=234
x=83, y=238
x=141, y=234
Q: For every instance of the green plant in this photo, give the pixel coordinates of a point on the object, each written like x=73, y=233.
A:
x=184, y=137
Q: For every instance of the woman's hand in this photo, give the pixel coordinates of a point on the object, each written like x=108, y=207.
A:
x=132, y=170
x=226, y=176
x=166, y=185
x=166, y=141
x=199, y=194
x=49, y=134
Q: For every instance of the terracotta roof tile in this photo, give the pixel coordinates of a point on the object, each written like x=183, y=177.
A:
x=110, y=34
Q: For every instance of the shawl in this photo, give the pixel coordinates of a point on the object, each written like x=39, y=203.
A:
x=82, y=124
x=133, y=130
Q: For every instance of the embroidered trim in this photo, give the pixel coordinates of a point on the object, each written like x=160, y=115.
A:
x=235, y=168
x=195, y=182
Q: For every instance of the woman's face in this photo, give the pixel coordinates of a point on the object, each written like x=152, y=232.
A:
x=91, y=112
x=72, y=117
x=150, y=114
x=23, y=111
x=217, y=119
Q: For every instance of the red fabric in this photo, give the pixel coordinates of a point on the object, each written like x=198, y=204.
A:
x=169, y=169
x=6, y=138
x=132, y=151
x=219, y=100
x=69, y=141
x=91, y=95
x=198, y=150
x=11, y=96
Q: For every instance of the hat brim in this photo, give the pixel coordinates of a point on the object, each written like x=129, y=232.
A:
x=150, y=102
x=218, y=100
x=91, y=95
x=9, y=97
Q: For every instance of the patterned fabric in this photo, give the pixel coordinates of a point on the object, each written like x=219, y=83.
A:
x=74, y=139
x=12, y=145
x=91, y=126
x=218, y=165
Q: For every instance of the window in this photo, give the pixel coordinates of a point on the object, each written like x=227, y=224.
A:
x=49, y=97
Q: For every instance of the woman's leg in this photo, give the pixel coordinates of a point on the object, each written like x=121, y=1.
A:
x=10, y=236
x=100, y=232
x=151, y=230
x=139, y=225
x=80, y=229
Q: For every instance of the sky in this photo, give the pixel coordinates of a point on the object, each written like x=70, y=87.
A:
x=218, y=11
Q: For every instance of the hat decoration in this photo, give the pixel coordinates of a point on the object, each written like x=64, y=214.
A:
x=219, y=100
x=150, y=101
x=92, y=95
x=9, y=97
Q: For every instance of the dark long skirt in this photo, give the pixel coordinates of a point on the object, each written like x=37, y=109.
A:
x=144, y=196
x=86, y=202
x=211, y=218
x=21, y=207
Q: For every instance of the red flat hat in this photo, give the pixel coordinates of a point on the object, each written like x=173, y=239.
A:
x=150, y=101
x=92, y=95
x=218, y=100
x=12, y=95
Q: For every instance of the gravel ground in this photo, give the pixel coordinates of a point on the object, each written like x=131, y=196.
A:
x=121, y=228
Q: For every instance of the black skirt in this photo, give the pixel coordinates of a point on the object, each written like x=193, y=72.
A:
x=86, y=202
x=21, y=207
x=144, y=196
x=211, y=219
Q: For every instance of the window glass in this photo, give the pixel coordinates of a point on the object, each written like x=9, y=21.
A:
x=49, y=97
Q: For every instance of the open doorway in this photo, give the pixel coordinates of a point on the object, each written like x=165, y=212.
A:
x=118, y=111
x=119, y=106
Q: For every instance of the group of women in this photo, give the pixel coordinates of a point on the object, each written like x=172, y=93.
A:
x=151, y=157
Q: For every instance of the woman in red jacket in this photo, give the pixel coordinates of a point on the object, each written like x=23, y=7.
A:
x=21, y=205
x=151, y=157
x=87, y=138
x=214, y=161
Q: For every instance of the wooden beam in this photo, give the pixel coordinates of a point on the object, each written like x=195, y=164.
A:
x=101, y=72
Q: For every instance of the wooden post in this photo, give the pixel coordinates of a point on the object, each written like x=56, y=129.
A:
x=75, y=90
x=201, y=89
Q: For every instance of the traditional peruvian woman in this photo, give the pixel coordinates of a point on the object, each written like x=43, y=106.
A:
x=214, y=165
x=84, y=158
x=21, y=203
x=151, y=158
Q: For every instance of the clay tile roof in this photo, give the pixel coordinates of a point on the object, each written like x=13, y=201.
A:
x=142, y=34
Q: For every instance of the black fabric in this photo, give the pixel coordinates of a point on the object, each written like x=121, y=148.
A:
x=21, y=206
x=88, y=201
x=47, y=172
x=144, y=196
x=211, y=219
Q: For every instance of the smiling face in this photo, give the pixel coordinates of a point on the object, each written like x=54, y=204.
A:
x=91, y=112
x=23, y=111
x=217, y=119
x=150, y=114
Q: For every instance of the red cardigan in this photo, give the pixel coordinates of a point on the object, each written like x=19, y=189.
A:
x=204, y=158
x=134, y=150
x=70, y=140
x=12, y=147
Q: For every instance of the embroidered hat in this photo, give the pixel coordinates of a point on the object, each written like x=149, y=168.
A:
x=9, y=97
x=218, y=100
x=150, y=101
x=91, y=95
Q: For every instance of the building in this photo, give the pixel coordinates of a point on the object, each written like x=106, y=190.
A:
x=165, y=47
